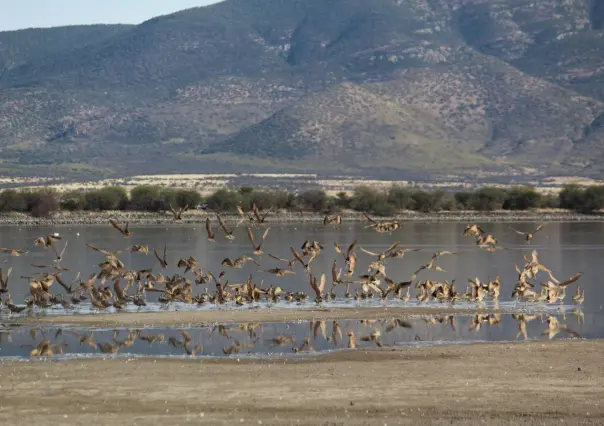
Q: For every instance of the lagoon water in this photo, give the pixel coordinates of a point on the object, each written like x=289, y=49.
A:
x=566, y=248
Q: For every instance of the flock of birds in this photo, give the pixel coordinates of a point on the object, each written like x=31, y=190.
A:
x=115, y=286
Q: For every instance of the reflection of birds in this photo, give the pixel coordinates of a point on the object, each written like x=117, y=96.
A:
x=579, y=296
x=554, y=327
x=523, y=320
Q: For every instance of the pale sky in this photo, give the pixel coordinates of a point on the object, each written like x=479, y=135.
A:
x=18, y=14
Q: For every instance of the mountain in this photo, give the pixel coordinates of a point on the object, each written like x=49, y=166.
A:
x=371, y=87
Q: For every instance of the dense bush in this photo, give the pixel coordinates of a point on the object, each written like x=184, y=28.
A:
x=522, y=198
x=488, y=199
x=108, y=198
x=146, y=198
x=224, y=200
x=12, y=201
x=366, y=199
x=315, y=200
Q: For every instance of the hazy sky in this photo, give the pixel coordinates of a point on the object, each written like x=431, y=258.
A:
x=17, y=14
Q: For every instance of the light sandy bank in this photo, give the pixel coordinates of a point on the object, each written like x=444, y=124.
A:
x=180, y=318
x=520, y=383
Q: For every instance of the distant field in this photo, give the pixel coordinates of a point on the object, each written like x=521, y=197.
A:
x=208, y=183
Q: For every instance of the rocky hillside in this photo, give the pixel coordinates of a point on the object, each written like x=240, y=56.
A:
x=380, y=87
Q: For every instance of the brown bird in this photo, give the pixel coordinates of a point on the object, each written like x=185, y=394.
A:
x=280, y=272
x=382, y=226
x=239, y=262
x=332, y=220
x=187, y=263
x=350, y=256
x=163, y=261
x=473, y=231
x=243, y=215
x=137, y=248
x=178, y=213
x=319, y=287
x=47, y=241
x=4, y=280
x=260, y=219
x=299, y=259
x=257, y=248
x=227, y=234
x=124, y=231
x=14, y=252
x=383, y=255
x=528, y=236
x=209, y=230
x=290, y=263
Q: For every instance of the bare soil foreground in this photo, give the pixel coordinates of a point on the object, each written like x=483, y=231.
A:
x=180, y=318
x=560, y=382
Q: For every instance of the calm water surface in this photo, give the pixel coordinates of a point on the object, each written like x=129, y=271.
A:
x=261, y=339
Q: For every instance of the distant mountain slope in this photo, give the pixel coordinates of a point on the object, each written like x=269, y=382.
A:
x=374, y=87
x=21, y=47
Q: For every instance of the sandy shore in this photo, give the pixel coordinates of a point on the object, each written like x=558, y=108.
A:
x=223, y=316
x=514, y=383
x=199, y=217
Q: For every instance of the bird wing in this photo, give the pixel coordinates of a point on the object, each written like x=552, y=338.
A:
x=392, y=247
x=264, y=235
x=222, y=225
x=369, y=218
x=338, y=248
x=352, y=263
x=60, y=256
x=157, y=256
x=116, y=225
x=278, y=258
x=267, y=212
x=297, y=256
x=571, y=280
x=209, y=228
x=539, y=228
x=517, y=231
x=334, y=272
x=251, y=237
x=105, y=252
x=351, y=249
x=255, y=211
x=369, y=252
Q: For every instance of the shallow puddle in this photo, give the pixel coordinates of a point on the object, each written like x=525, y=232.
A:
x=289, y=338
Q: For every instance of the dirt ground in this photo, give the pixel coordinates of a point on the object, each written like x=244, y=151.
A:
x=180, y=318
x=512, y=383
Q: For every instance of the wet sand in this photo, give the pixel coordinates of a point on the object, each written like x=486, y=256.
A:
x=539, y=382
x=180, y=318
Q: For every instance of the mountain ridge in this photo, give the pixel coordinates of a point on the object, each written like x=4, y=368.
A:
x=382, y=87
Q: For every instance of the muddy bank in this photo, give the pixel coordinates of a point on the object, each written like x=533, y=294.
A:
x=199, y=217
x=516, y=383
x=224, y=316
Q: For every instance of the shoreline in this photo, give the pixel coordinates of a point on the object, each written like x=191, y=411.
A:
x=209, y=317
x=409, y=385
x=198, y=217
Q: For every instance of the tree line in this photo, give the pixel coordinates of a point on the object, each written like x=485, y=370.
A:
x=150, y=198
